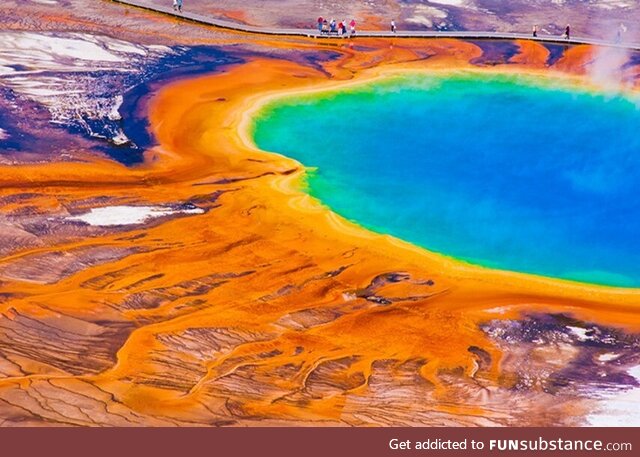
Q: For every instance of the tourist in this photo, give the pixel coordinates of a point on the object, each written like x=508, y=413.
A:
x=325, y=27
x=352, y=25
x=344, y=27
x=567, y=32
x=332, y=26
x=320, y=21
x=535, y=31
x=340, y=28
x=393, y=26
x=178, y=4
x=622, y=29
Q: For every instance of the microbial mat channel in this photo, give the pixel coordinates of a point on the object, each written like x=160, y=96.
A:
x=535, y=175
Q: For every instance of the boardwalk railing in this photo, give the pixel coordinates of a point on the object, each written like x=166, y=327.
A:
x=314, y=33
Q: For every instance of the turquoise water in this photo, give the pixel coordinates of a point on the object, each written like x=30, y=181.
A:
x=502, y=171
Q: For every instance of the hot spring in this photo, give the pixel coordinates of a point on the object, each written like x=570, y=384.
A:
x=509, y=172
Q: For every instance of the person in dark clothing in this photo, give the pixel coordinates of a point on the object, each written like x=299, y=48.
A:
x=567, y=32
x=535, y=31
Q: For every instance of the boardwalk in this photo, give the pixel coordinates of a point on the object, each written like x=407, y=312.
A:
x=313, y=33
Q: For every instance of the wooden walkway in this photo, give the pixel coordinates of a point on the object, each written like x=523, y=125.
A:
x=314, y=33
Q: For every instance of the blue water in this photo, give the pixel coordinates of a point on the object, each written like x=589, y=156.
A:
x=502, y=171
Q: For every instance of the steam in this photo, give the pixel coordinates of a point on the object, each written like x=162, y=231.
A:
x=609, y=68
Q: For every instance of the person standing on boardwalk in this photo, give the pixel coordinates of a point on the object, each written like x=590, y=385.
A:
x=567, y=32
x=393, y=26
x=325, y=27
x=177, y=5
x=535, y=31
x=352, y=24
x=320, y=21
x=622, y=29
